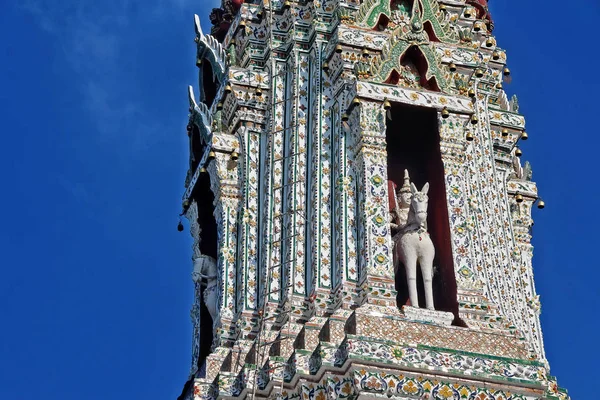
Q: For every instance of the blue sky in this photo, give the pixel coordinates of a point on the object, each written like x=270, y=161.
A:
x=95, y=289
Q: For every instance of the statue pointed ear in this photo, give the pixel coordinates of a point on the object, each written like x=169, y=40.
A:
x=425, y=188
x=413, y=188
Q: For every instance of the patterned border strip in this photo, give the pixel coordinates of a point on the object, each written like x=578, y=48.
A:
x=413, y=97
x=444, y=360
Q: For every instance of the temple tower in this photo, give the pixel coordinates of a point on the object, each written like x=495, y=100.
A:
x=360, y=213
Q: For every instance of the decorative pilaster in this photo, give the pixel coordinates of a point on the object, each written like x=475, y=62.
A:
x=225, y=186
x=248, y=273
x=195, y=230
x=376, y=261
x=344, y=264
x=274, y=185
x=522, y=223
x=452, y=146
x=324, y=257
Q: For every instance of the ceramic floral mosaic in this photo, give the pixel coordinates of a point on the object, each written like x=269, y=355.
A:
x=289, y=127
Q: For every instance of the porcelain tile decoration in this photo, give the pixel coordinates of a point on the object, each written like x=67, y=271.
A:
x=360, y=215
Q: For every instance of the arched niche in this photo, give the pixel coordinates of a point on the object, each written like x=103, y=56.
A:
x=413, y=143
x=208, y=245
x=197, y=147
x=413, y=58
x=382, y=23
x=209, y=84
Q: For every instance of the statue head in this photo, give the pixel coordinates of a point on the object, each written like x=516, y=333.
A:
x=210, y=268
x=405, y=193
x=204, y=267
x=197, y=272
x=419, y=203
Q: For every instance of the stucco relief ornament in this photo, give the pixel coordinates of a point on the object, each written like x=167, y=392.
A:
x=205, y=267
x=414, y=246
x=400, y=14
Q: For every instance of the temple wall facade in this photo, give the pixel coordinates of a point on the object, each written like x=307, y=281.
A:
x=294, y=147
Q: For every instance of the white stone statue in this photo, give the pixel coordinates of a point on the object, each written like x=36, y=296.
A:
x=205, y=267
x=401, y=206
x=517, y=169
x=413, y=245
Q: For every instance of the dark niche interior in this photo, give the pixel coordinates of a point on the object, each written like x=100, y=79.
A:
x=204, y=197
x=413, y=143
x=197, y=147
x=209, y=85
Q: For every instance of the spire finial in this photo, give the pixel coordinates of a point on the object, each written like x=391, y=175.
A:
x=406, y=186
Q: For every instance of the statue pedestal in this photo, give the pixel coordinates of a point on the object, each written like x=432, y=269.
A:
x=430, y=316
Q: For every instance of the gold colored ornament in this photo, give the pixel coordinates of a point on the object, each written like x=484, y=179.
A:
x=198, y=62
x=326, y=66
x=489, y=43
x=505, y=132
x=470, y=137
x=452, y=67
x=234, y=155
x=365, y=53
x=203, y=170
x=345, y=117
x=524, y=135
x=442, y=7
x=474, y=119
x=387, y=105
x=506, y=71
x=211, y=155
x=471, y=92
x=356, y=102
x=541, y=204
x=259, y=14
x=479, y=73
x=468, y=13
x=185, y=204
x=518, y=152
x=499, y=85
x=495, y=54
x=259, y=92
x=519, y=198
x=338, y=48
x=219, y=106
x=445, y=113
x=227, y=89
x=477, y=27
x=287, y=5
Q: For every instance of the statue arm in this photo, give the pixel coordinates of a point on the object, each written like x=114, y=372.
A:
x=207, y=276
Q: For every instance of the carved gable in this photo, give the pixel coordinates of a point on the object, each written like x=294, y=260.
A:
x=378, y=14
x=409, y=54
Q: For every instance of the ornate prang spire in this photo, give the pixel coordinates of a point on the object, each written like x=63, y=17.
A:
x=306, y=251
